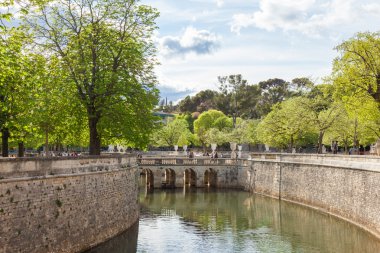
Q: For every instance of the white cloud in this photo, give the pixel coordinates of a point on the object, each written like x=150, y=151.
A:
x=373, y=8
x=181, y=77
x=195, y=41
x=219, y=3
x=306, y=16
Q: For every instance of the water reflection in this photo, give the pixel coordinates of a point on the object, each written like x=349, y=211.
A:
x=123, y=243
x=195, y=220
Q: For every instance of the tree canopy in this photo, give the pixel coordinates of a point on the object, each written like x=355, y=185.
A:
x=106, y=48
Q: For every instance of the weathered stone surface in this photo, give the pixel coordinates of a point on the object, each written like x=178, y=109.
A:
x=227, y=176
x=67, y=212
x=341, y=189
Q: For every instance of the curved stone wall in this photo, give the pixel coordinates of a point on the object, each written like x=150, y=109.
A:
x=339, y=185
x=66, y=205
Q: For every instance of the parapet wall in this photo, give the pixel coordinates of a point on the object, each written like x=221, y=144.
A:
x=36, y=167
x=65, y=205
x=340, y=185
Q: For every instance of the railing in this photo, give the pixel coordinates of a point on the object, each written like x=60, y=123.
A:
x=343, y=161
x=191, y=161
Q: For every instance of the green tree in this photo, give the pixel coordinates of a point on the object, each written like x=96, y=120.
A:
x=13, y=62
x=5, y=14
x=55, y=109
x=363, y=112
x=286, y=125
x=202, y=101
x=229, y=86
x=323, y=110
x=301, y=86
x=214, y=135
x=357, y=69
x=245, y=132
x=272, y=91
x=107, y=49
x=190, y=120
x=176, y=132
x=204, y=123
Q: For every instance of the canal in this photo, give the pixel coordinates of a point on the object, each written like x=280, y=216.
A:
x=209, y=220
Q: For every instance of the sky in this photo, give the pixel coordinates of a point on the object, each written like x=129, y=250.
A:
x=199, y=40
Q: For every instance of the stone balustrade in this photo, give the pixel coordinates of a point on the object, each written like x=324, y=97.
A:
x=203, y=161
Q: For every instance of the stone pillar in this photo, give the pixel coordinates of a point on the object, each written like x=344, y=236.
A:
x=157, y=173
x=179, y=178
x=200, y=177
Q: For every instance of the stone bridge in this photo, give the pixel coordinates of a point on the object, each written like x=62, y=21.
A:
x=168, y=172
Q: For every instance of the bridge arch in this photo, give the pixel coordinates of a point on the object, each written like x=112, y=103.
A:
x=149, y=177
x=210, y=178
x=190, y=177
x=168, y=178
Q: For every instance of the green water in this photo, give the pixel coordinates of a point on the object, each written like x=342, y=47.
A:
x=196, y=220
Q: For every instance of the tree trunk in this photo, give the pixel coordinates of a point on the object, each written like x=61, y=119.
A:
x=234, y=116
x=4, y=144
x=345, y=147
x=94, y=136
x=320, y=138
x=376, y=94
x=356, y=144
x=291, y=144
x=47, y=143
x=21, y=149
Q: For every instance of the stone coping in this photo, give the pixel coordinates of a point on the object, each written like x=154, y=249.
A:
x=18, y=179
x=282, y=156
x=359, y=162
x=55, y=158
x=42, y=166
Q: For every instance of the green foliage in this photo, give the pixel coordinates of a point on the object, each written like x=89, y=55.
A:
x=14, y=84
x=356, y=82
x=237, y=97
x=109, y=56
x=285, y=125
x=301, y=86
x=358, y=125
x=205, y=122
x=272, y=91
x=176, y=132
x=202, y=101
x=244, y=132
x=190, y=120
x=357, y=70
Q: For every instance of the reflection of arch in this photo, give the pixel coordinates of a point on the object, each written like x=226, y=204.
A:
x=149, y=178
x=190, y=178
x=168, y=178
x=210, y=177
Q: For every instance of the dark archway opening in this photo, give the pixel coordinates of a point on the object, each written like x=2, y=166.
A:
x=149, y=177
x=168, y=178
x=210, y=178
x=190, y=178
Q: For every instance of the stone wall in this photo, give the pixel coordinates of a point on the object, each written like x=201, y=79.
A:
x=339, y=188
x=65, y=205
x=227, y=175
